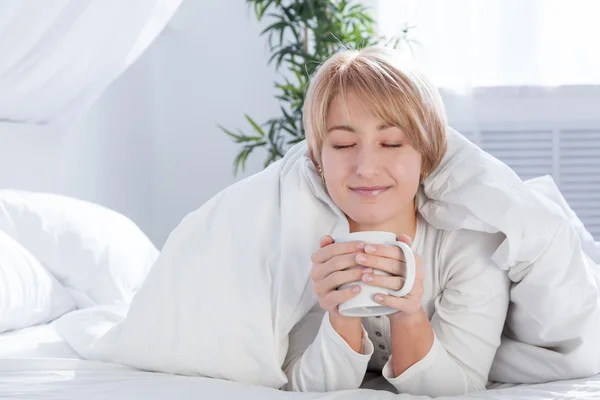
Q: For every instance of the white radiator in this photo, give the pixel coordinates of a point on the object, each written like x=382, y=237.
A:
x=538, y=132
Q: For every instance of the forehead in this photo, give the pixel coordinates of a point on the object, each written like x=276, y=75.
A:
x=354, y=109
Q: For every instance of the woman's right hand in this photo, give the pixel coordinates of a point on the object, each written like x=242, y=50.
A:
x=331, y=269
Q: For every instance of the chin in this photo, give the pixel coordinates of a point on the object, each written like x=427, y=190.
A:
x=368, y=220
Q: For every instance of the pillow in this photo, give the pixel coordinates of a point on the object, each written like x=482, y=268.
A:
x=546, y=186
x=99, y=255
x=29, y=295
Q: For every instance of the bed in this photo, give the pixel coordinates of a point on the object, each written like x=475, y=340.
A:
x=35, y=363
x=62, y=238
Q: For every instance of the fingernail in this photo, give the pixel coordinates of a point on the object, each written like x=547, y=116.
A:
x=356, y=289
x=360, y=245
x=368, y=278
x=369, y=248
x=367, y=270
x=361, y=258
x=378, y=298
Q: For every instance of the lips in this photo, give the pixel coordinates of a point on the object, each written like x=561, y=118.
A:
x=369, y=191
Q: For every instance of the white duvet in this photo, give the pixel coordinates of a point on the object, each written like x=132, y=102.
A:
x=233, y=277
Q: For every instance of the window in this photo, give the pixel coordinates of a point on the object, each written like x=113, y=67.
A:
x=473, y=43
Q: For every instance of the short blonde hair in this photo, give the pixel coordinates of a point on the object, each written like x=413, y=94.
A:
x=390, y=88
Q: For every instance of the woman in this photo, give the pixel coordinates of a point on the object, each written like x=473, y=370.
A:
x=376, y=128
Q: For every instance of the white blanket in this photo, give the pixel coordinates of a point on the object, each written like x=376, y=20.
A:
x=233, y=277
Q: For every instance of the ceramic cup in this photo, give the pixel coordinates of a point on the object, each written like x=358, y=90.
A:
x=363, y=305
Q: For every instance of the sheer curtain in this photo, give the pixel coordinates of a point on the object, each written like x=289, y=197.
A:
x=58, y=56
x=471, y=43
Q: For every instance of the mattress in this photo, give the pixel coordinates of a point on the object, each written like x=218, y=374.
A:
x=35, y=363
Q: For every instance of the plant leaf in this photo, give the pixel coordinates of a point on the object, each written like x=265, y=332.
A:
x=256, y=127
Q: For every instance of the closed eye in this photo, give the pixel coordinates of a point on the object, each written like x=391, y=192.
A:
x=339, y=147
x=392, y=146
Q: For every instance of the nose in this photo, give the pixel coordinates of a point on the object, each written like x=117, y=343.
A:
x=368, y=163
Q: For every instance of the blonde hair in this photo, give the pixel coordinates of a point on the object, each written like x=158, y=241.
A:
x=390, y=88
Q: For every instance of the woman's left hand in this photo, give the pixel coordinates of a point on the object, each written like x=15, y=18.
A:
x=391, y=259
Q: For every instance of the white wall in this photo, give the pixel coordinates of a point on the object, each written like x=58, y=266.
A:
x=566, y=105
x=210, y=69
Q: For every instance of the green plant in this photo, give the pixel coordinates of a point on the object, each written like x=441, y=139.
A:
x=302, y=34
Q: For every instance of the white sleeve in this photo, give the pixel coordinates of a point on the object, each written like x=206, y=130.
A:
x=468, y=320
x=326, y=362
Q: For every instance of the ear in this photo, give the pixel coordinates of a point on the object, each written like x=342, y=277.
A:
x=312, y=157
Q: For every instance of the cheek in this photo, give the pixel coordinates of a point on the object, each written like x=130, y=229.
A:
x=415, y=167
x=336, y=174
x=332, y=162
x=408, y=168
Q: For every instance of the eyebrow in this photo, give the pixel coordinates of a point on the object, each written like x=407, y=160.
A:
x=340, y=128
x=348, y=128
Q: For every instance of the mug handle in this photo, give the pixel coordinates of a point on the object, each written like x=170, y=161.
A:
x=411, y=270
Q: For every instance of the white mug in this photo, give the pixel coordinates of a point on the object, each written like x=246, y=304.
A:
x=363, y=305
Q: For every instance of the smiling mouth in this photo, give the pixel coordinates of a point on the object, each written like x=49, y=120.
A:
x=370, y=191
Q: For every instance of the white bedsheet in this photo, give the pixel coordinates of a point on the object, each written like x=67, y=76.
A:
x=36, y=342
x=36, y=363
x=43, y=379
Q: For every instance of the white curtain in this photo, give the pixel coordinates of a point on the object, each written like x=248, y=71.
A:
x=472, y=43
x=58, y=56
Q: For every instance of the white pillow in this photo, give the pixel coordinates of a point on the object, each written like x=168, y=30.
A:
x=99, y=255
x=29, y=295
x=547, y=187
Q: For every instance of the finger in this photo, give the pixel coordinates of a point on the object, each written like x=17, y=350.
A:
x=337, y=297
x=337, y=263
x=335, y=249
x=403, y=304
x=384, y=250
x=406, y=239
x=384, y=281
x=325, y=241
x=339, y=278
x=390, y=265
